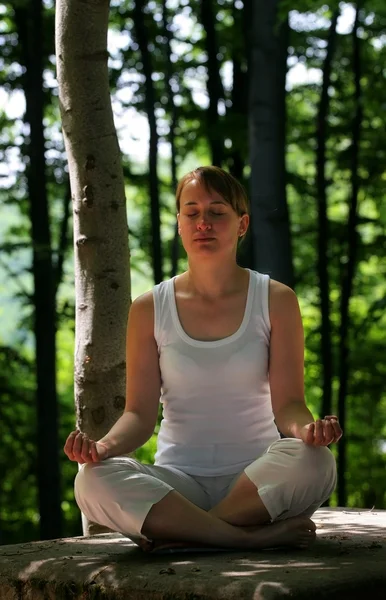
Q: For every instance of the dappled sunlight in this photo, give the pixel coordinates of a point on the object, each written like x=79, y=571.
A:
x=350, y=524
x=345, y=540
x=288, y=564
x=243, y=573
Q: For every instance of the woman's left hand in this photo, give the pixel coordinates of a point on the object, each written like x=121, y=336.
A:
x=322, y=433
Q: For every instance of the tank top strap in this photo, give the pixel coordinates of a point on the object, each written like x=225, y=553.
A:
x=261, y=302
x=162, y=313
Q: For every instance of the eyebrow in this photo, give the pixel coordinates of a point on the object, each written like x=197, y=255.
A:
x=192, y=202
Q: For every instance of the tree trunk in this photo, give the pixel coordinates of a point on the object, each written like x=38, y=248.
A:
x=267, y=77
x=240, y=54
x=63, y=238
x=239, y=95
x=349, y=267
x=141, y=35
x=213, y=84
x=172, y=134
x=30, y=28
x=323, y=234
x=102, y=274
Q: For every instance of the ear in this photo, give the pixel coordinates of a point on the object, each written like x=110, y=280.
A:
x=179, y=223
x=244, y=224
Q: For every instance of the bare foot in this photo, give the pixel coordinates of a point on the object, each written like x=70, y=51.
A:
x=146, y=546
x=298, y=532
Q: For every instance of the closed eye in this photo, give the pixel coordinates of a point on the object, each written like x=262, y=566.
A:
x=213, y=213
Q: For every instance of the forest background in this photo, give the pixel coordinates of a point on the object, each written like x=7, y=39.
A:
x=180, y=77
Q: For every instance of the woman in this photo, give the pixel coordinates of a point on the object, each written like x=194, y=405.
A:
x=223, y=346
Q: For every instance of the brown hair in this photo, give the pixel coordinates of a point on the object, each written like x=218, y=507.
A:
x=217, y=180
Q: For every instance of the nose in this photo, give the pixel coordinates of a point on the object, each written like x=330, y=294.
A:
x=203, y=224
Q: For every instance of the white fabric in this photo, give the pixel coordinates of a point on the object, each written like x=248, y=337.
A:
x=291, y=478
x=217, y=413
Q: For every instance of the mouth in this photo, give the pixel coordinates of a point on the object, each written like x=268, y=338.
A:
x=204, y=239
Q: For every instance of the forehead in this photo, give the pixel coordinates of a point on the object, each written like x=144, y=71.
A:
x=195, y=192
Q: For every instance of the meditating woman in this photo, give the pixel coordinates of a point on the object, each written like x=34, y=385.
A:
x=222, y=348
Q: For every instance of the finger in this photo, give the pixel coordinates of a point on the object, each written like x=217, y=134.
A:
x=94, y=452
x=68, y=446
x=337, y=429
x=77, y=447
x=319, y=435
x=331, y=417
x=311, y=434
x=85, y=452
x=329, y=433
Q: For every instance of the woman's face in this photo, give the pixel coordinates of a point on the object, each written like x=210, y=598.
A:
x=207, y=223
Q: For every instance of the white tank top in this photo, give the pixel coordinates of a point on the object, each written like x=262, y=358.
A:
x=217, y=412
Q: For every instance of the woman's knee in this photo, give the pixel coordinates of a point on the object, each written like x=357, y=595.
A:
x=312, y=465
x=86, y=481
x=317, y=464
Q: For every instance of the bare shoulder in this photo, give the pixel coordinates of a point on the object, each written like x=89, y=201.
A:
x=283, y=301
x=142, y=311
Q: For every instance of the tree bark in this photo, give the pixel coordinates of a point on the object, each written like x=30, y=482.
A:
x=213, y=84
x=267, y=77
x=172, y=135
x=30, y=29
x=239, y=97
x=323, y=232
x=349, y=267
x=102, y=273
x=63, y=239
x=239, y=94
x=141, y=35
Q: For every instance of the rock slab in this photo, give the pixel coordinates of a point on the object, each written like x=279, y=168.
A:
x=348, y=561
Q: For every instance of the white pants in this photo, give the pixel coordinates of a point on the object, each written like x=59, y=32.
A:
x=291, y=478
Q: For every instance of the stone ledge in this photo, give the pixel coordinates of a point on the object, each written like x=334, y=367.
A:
x=348, y=561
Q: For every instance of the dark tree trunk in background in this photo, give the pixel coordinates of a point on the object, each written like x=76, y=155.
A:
x=323, y=233
x=349, y=267
x=267, y=115
x=142, y=40
x=237, y=114
x=30, y=30
x=173, y=125
x=239, y=96
x=213, y=84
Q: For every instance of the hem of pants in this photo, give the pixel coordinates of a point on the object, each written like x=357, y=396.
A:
x=266, y=498
x=149, y=506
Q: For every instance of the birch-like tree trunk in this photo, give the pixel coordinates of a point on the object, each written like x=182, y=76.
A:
x=267, y=77
x=102, y=271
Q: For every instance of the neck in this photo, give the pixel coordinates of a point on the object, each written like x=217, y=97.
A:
x=214, y=280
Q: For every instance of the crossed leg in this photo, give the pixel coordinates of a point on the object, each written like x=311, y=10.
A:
x=242, y=506
x=285, y=486
x=296, y=479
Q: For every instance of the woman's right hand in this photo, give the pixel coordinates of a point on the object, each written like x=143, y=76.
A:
x=80, y=448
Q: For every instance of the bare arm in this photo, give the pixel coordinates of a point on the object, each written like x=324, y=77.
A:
x=286, y=361
x=286, y=373
x=143, y=382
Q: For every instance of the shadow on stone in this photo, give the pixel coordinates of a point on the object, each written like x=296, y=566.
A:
x=348, y=560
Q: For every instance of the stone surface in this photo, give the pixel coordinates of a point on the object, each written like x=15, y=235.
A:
x=348, y=560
